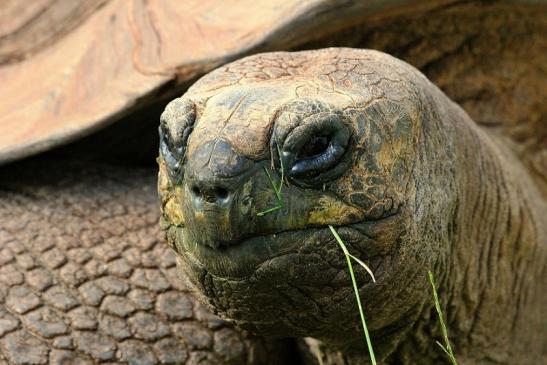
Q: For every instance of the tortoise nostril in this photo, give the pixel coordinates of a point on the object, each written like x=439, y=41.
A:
x=196, y=191
x=210, y=195
x=221, y=193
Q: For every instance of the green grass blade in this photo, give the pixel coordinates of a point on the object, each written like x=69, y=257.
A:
x=446, y=348
x=365, y=266
x=448, y=354
x=356, y=290
x=277, y=194
x=277, y=189
x=264, y=212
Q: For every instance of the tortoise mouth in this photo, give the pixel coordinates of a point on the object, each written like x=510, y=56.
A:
x=241, y=260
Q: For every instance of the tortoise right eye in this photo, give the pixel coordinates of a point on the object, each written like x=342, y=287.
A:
x=176, y=125
x=172, y=156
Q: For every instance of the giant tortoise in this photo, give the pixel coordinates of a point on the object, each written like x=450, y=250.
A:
x=85, y=274
x=363, y=142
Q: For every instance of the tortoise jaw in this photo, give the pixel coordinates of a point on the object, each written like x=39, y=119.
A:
x=240, y=260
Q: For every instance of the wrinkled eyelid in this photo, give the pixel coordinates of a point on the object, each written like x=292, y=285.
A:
x=178, y=119
x=317, y=124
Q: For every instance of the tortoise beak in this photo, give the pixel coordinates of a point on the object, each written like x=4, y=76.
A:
x=217, y=195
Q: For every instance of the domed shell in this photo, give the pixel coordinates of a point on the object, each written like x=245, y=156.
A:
x=69, y=68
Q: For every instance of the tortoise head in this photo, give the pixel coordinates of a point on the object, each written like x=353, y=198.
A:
x=259, y=157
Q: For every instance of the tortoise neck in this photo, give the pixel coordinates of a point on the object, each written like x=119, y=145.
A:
x=488, y=271
x=493, y=279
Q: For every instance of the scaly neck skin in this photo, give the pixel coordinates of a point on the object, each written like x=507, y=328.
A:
x=495, y=278
x=491, y=280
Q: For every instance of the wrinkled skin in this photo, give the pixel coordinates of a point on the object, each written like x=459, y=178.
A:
x=85, y=277
x=365, y=143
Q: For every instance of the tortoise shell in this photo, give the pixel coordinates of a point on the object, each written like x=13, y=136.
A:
x=68, y=70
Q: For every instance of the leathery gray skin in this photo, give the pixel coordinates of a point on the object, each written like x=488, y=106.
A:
x=367, y=144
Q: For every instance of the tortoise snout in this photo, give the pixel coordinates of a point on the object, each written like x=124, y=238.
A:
x=216, y=187
x=217, y=194
x=215, y=172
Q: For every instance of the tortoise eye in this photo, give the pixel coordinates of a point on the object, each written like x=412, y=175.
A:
x=312, y=152
x=319, y=154
x=176, y=125
x=172, y=160
x=314, y=147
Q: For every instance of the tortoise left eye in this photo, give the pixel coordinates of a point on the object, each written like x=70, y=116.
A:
x=314, y=147
x=313, y=151
x=319, y=154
